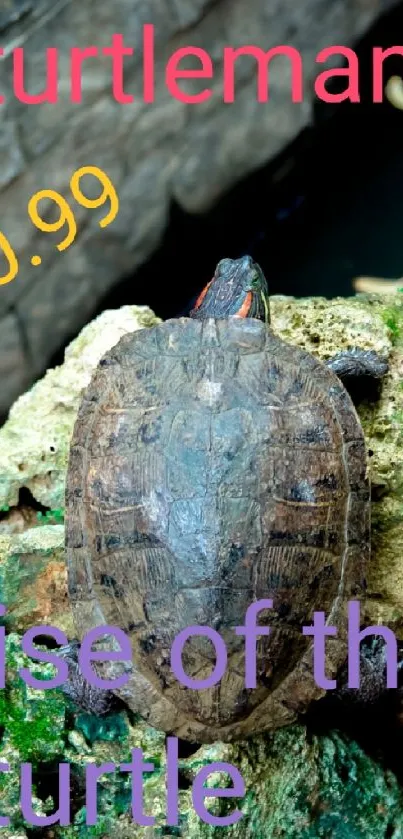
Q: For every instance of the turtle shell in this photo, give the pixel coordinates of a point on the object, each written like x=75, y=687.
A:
x=213, y=465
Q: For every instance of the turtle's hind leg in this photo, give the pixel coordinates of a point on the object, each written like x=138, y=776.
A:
x=373, y=676
x=370, y=714
x=373, y=692
x=88, y=698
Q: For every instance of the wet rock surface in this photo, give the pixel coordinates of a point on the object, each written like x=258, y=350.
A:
x=299, y=783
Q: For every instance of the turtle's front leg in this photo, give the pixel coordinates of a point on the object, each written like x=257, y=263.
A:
x=353, y=364
x=360, y=371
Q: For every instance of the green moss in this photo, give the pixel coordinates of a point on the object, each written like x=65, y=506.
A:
x=34, y=735
x=309, y=788
x=112, y=728
x=51, y=517
x=32, y=720
x=393, y=318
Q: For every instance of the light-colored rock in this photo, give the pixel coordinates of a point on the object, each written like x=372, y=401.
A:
x=33, y=579
x=152, y=152
x=33, y=453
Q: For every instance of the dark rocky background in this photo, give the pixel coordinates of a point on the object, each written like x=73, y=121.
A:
x=311, y=191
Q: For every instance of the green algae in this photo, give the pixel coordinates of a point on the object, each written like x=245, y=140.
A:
x=32, y=720
x=111, y=728
x=305, y=787
x=32, y=726
x=393, y=325
x=392, y=316
x=51, y=517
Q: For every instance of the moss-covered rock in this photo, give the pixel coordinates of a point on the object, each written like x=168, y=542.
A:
x=33, y=720
x=303, y=787
x=32, y=729
x=33, y=579
x=296, y=786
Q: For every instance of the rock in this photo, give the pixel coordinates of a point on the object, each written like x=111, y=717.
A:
x=299, y=785
x=12, y=11
x=33, y=579
x=33, y=454
x=152, y=153
x=302, y=787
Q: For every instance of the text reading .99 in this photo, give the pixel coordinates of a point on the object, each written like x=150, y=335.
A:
x=66, y=215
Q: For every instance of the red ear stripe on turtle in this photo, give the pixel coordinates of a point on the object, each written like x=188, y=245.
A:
x=245, y=308
x=201, y=296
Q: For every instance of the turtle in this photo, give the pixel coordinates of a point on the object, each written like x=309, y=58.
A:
x=214, y=465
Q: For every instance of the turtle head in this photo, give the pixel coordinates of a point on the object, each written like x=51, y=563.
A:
x=238, y=289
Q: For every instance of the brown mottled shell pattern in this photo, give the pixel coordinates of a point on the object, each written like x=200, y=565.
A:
x=213, y=465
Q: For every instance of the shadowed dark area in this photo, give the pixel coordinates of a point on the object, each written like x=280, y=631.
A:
x=371, y=715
